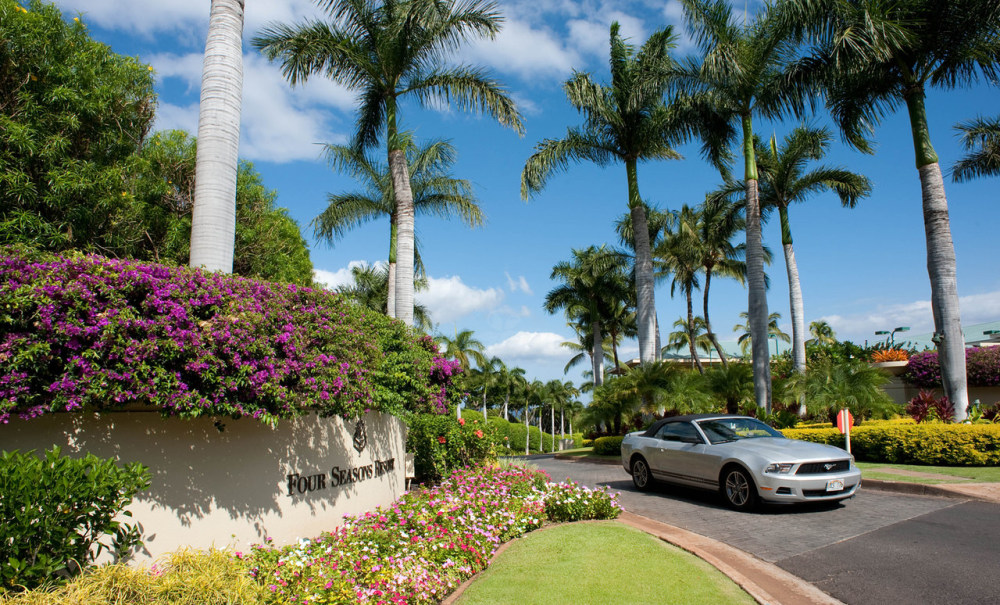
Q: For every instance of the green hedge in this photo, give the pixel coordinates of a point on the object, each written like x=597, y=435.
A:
x=443, y=443
x=514, y=432
x=608, y=446
x=932, y=444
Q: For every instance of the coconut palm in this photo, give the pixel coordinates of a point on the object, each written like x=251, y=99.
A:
x=590, y=283
x=853, y=384
x=872, y=57
x=719, y=223
x=731, y=385
x=510, y=380
x=981, y=138
x=690, y=333
x=625, y=122
x=677, y=255
x=435, y=192
x=463, y=348
x=773, y=331
x=742, y=74
x=371, y=282
x=822, y=333
x=656, y=222
x=213, y=218
x=387, y=50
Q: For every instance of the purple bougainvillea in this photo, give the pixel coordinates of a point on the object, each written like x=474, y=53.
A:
x=982, y=366
x=91, y=332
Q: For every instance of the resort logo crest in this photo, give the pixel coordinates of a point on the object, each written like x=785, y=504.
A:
x=360, y=436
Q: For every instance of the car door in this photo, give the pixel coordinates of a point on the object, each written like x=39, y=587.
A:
x=678, y=454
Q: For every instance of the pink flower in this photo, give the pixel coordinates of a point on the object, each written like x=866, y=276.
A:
x=461, y=421
x=479, y=434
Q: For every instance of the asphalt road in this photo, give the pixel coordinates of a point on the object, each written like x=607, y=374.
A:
x=877, y=548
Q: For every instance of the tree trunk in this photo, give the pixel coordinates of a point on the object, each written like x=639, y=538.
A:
x=757, y=298
x=552, y=426
x=404, y=219
x=695, y=360
x=390, y=302
x=527, y=429
x=656, y=326
x=213, y=219
x=941, y=266
x=645, y=311
x=598, y=353
x=795, y=305
x=485, y=417
x=506, y=401
x=708, y=323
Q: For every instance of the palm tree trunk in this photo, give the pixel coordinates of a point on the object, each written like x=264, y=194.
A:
x=658, y=346
x=404, y=220
x=506, y=401
x=757, y=298
x=485, y=417
x=708, y=323
x=390, y=302
x=527, y=429
x=213, y=220
x=695, y=360
x=552, y=426
x=794, y=302
x=941, y=265
x=645, y=302
x=597, y=353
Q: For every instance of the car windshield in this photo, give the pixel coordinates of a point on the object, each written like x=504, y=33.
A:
x=722, y=430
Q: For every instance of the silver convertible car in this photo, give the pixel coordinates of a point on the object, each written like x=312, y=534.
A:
x=741, y=457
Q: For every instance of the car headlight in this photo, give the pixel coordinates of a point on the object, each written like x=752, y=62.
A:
x=779, y=467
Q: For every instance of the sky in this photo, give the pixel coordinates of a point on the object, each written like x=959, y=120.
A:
x=861, y=269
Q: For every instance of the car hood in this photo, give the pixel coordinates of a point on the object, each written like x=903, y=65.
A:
x=785, y=450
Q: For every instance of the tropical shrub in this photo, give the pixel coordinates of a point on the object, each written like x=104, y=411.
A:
x=928, y=443
x=884, y=355
x=424, y=545
x=91, y=332
x=442, y=443
x=828, y=387
x=925, y=406
x=608, y=446
x=59, y=514
x=982, y=367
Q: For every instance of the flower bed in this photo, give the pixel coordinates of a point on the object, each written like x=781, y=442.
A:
x=982, y=366
x=427, y=543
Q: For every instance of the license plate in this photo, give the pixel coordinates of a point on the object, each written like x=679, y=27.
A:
x=835, y=485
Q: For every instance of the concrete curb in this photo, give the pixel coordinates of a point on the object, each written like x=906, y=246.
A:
x=920, y=489
x=768, y=584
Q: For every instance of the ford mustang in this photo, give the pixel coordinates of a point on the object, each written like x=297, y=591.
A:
x=744, y=459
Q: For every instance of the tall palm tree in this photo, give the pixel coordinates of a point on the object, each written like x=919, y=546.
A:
x=434, y=191
x=510, y=379
x=871, y=58
x=742, y=75
x=590, y=282
x=463, y=348
x=784, y=180
x=677, y=255
x=719, y=223
x=981, y=138
x=822, y=333
x=213, y=219
x=773, y=331
x=690, y=333
x=387, y=50
x=371, y=282
x=656, y=222
x=625, y=122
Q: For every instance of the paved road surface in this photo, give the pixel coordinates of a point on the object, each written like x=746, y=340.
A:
x=874, y=549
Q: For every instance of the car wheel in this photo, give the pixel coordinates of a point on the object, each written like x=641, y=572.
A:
x=641, y=476
x=738, y=489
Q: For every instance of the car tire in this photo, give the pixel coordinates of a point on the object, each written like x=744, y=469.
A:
x=641, y=475
x=738, y=489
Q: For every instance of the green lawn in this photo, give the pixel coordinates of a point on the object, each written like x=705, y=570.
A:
x=587, y=452
x=601, y=562
x=979, y=474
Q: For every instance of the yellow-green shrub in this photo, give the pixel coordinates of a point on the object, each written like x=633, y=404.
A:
x=938, y=444
x=608, y=446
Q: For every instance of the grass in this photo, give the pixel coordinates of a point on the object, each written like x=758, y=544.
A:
x=978, y=474
x=587, y=452
x=599, y=562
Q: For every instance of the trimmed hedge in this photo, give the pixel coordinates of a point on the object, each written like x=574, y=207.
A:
x=931, y=444
x=608, y=446
x=515, y=434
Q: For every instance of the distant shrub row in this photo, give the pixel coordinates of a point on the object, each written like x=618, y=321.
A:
x=608, y=446
x=932, y=444
x=513, y=434
x=91, y=332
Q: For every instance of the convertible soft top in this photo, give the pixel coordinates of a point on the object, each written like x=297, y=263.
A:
x=651, y=431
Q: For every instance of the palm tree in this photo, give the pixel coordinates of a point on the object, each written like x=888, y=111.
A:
x=719, y=222
x=462, y=348
x=213, y=219
x=591, y=282
x=773, y=331
x=981, y=138
x=510, y=379
x=822, y=333
x=732, y=384
x=872, y=57
x=784, y=181
x=678, y=255
x=388, y=50
x=371, y=283
x=625, y=122
x=656, y=222
x=434, y=191
x=742, y=75
x=690, y=333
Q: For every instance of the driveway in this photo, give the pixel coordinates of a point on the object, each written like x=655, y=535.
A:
x=878, y=547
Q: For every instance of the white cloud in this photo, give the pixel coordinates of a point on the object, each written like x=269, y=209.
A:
x=341, y=277
x=449, y=298
x=917, y=315
x=524, y=50
x=278, y=124
x=537, y=346
x=518, y=284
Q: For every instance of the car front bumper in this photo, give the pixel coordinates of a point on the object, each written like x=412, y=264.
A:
x=808, y=488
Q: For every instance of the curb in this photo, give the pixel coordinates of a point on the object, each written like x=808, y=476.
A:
x=918, y=489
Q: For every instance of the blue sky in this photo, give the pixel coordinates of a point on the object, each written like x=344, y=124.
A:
x=862, y=270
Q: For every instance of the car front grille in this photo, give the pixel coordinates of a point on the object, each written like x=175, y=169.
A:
x=817, y=468
x=822, y=493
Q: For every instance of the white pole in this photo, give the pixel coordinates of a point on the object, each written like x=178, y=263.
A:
x=847, y=432
x=552, y=418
